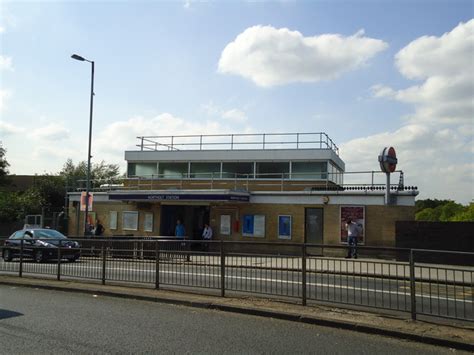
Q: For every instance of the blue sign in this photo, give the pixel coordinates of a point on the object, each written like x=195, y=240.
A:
x=284, y=227
x=247, y=225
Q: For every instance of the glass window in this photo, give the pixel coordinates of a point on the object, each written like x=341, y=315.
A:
x=309, y=170
x=173, y=170
x=205, y=170
x=239, y=170
x=272, y=170
x=141, y=169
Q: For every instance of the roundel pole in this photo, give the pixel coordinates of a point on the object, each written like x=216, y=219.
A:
x=388, y=163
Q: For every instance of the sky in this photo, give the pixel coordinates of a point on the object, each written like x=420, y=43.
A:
x=370, y=74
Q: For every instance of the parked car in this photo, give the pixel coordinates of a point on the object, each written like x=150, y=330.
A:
x=40, y=244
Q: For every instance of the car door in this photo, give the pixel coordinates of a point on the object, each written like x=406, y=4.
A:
x=28, y=244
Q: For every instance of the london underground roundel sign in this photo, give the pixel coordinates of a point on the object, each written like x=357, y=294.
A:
x=388, y=160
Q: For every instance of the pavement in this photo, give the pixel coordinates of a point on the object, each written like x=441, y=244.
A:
x=453, y=335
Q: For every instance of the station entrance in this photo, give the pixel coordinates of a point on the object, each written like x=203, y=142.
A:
x=193, y=218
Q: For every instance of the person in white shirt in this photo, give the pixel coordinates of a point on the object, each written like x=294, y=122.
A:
x=352, y=235
x=207, y=235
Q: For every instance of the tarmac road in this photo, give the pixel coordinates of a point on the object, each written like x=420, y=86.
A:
x=36, y=321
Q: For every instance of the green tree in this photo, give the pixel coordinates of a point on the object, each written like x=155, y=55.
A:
x=3, y=166
x=76, y=175
x=449, y=210
x=15, y=205
x=465, y=216
x=443, y=211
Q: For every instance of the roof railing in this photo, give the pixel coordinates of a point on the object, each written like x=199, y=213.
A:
x=316, y=140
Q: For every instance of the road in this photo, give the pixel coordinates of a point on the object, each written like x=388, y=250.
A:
x=388, y=293
x=34, y=321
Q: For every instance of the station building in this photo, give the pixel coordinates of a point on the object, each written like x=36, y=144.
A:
x=262, y=187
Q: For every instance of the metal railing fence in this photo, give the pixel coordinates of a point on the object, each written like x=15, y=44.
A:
x=401, y=282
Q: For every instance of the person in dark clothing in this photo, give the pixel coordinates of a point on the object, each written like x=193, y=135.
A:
x=99, y=228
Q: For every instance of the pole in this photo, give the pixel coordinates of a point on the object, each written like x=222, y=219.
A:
x=387, y=190
x=89, y=150
x=412, y=286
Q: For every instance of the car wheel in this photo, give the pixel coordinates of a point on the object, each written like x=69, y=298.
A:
x=7, y=255
x=39, y=256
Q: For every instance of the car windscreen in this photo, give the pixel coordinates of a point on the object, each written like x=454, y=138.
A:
x=49, y=234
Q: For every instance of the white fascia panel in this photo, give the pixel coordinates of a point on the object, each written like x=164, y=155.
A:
x=248, y=155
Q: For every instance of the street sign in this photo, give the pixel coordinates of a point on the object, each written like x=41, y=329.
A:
x=388, y=160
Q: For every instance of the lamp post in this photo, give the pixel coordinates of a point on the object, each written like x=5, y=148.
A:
x=78, y=57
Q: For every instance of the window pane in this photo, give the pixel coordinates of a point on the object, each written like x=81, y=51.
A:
x=272, y=170
x=229, y=170
x=205, y=170
x=308, y=170
x=173, y=170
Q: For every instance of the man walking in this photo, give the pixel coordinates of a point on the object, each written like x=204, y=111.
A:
x=352, y=236
x=207, y=235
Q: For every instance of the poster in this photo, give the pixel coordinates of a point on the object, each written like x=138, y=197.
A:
x=259, y=226
x=130, y=220
x=357, y=215
x=284, y=227
x=225, y=224
x=83, y=201
x=247, y=225
x=148, y=223
x=113, y=220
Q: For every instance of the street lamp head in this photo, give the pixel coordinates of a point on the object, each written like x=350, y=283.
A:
x=78, y=57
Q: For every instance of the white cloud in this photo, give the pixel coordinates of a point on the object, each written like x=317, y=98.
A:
x=51, y=131
x=232, y=115
x=269, y=56
x=235, y=115
x=435, y=147
x=7, y=129
x=5, y=63
x=2, y=29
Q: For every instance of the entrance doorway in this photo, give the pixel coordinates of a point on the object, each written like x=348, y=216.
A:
x=193, y=218
x=313, y=232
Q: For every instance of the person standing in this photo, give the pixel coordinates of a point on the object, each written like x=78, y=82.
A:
x=179, y=230
x=352, y=236
x=180, y=233
x=99, y=228
x=207, y=235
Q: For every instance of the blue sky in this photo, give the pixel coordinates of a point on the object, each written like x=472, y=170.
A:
x=232, y=67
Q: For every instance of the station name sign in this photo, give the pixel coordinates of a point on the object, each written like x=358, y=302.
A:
x=178, y=197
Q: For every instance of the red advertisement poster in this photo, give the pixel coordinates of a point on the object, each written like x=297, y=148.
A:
x=355, y=214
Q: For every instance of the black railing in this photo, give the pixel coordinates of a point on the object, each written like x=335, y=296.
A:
x=282, y=270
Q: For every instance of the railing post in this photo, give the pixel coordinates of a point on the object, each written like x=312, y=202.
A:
x=104, y=257
x=264, y=141
x=297, y=140
x=303, y=275
x=412, y=285
x=141, y=145
x=20, y=272
x=231, y=142
x=222, y=269
x=200, y=142
x=157, y=265
x=58, y=276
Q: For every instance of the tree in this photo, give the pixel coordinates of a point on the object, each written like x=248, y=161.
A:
x=3, y=166
x=443, y=211
x=76, y=175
